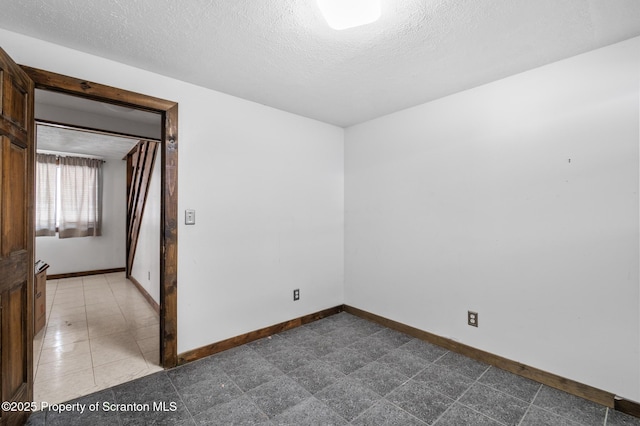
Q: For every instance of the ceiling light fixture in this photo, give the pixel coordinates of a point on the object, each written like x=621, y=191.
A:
x=343, y=14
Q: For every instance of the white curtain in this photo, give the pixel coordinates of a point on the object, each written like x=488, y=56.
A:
x=45, y=195
x=80, y=197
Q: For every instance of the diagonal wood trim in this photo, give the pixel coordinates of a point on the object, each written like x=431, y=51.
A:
x=552, y=380
x=145, y=294
x=140, y=163
x=242, y=339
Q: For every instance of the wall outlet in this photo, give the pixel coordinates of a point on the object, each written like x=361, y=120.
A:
x=472, y=318
x=296, y=294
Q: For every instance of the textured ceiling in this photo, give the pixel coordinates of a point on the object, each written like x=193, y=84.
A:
x=281, y=52
x=69, y=141
x=71, y=111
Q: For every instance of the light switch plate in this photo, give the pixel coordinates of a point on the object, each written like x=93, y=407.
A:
x=189, y=217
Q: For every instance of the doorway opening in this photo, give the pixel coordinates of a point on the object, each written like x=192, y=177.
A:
x=168, y=110
x=102, y=324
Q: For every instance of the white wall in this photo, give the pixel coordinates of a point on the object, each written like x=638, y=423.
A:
x=267, y=187
x=470, y=203
x=146, y=264
x=93, y=253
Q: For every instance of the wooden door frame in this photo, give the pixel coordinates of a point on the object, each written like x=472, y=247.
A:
x=46, y=80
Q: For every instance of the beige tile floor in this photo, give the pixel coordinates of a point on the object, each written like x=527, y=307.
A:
x=100, y=332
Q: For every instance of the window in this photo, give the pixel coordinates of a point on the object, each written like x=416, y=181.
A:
x=68, y=196
x=46, y=190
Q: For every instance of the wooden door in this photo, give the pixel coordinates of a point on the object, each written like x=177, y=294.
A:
x=17, y=150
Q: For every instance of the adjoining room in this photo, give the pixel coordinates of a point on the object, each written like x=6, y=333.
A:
x=427, y=214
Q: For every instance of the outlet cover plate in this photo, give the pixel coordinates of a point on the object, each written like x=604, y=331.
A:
x=472, y=318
